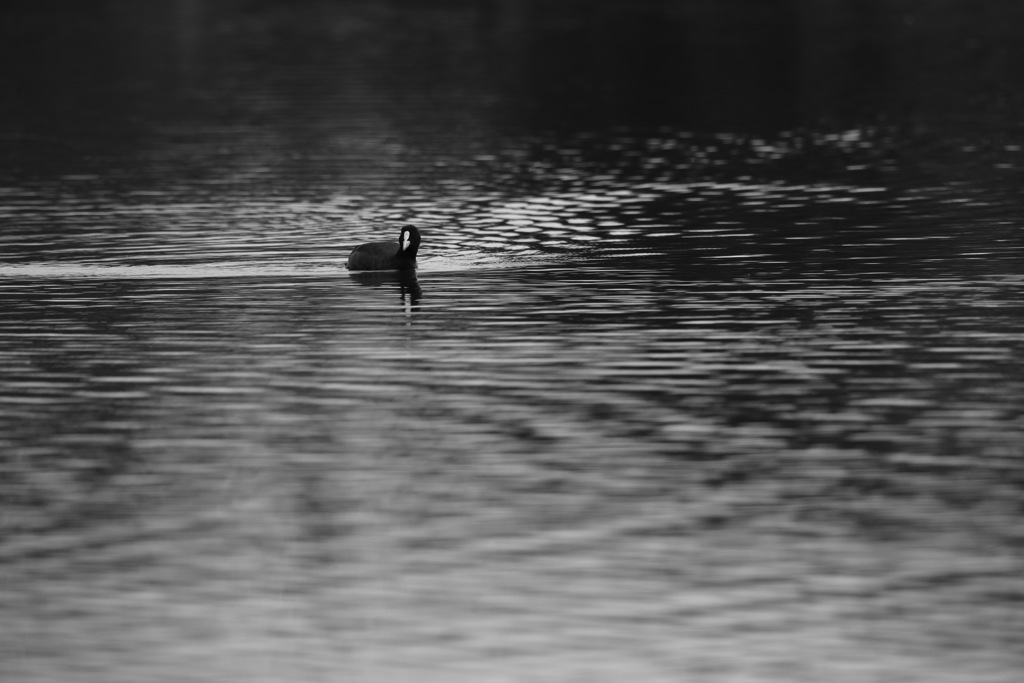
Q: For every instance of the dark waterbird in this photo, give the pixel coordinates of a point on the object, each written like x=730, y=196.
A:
x=400, y=255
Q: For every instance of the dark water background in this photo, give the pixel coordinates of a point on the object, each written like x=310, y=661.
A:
x=711, y=370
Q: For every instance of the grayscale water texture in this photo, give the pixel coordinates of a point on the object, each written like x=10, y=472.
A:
x=711, y=370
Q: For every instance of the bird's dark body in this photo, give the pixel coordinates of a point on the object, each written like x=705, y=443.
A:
x=400, y=255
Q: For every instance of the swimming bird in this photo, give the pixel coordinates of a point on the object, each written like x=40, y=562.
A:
x=400, y=255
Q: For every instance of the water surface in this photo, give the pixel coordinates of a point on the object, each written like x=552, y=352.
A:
x=660, y=401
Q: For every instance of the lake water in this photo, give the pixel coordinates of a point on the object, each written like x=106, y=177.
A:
x=714, y=383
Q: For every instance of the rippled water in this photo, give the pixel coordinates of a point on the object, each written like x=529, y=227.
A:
x=658, y=405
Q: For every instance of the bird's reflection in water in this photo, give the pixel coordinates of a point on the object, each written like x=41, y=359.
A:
x=408, y=286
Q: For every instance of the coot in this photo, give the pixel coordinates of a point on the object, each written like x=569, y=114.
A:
x=400, y=255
